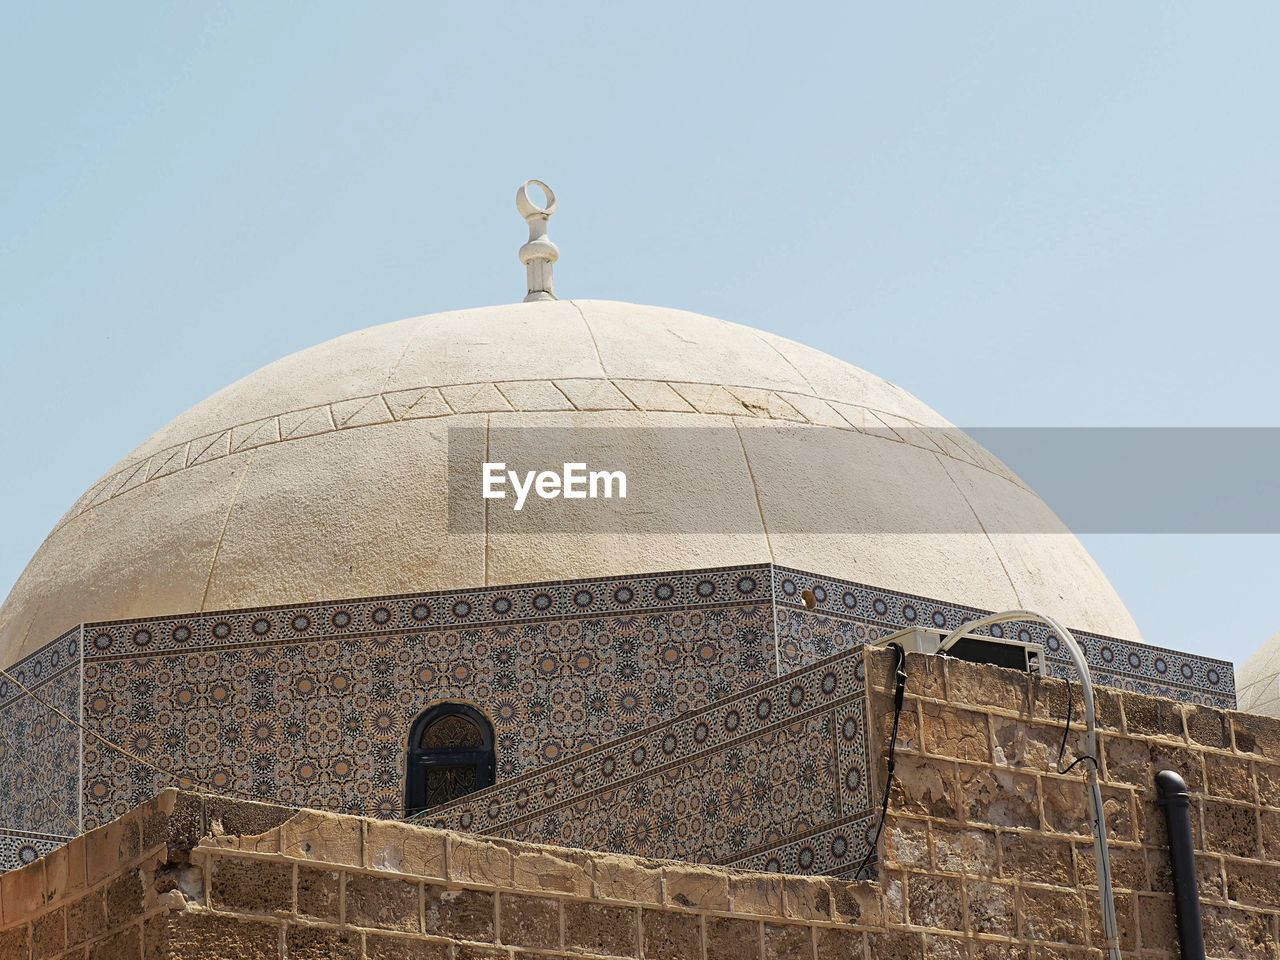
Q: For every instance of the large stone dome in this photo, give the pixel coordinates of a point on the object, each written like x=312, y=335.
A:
x=323, y=475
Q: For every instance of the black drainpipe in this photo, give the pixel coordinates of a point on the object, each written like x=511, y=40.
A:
x=1175, y=799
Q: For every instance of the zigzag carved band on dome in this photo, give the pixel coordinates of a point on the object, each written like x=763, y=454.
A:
x=584, y=395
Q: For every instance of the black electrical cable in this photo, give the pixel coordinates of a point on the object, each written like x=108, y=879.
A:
x=899, y=693
x=1066, y=732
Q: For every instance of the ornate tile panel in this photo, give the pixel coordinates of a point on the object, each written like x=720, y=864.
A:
x=310, y=704
x=40, y=751
x=316, y=713
x=848, y=613
x=735, y=781
x=18, y=848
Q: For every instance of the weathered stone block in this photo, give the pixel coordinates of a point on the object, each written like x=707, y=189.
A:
x=1267, y=778
x=856, y=902
x=1019, y=743
x=1055, y=915
x=1230, y=828
x=122, y=945
x=397, y=847
x=986, y=686
x=908, y=723
x=1256, y=734
x=1126, y=760
x=251, y=886
x=1237, y=933
x=732, y=939
x=924, y=786
x=111, y=847
x=833, y=943
x=1128, y=867
x=60, y=873
x=86, y=918
x=324, y=837
x=49, y=934
x=529, y=921
x=15, y=942
x=1270, y=820
x=597, y=928
x=1229, y=777
x=895, y=945
x=478, y=861
x=991, y=909
x=1126, y=920
x=906, y=842
x=387, y=947
x=806, y=898
x=955, y=733
x=1050, y=703
x=318, y=894
x=696, y=887
x=1152, y=716
x=1036, y=858
x=787, y=942
x=970, y=851
x=1254, y=884
x=624, y=879
x=935, y=901
x=540, y=870
x=316, y=943
x=22, y=893
x=1207, y=726
x=225, y=816
x=465, y=914
x=382, y=902
x=195, y=936
x=999, y=797
x=668, y=935
x=758, y=894
x=123, y=897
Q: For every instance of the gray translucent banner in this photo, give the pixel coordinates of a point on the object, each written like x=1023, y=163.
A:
x=804, y=480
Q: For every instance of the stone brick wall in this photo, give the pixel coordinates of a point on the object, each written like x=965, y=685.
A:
x=186, y=878
x=987, y=849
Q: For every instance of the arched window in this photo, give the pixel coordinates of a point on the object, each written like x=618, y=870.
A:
x=450, y=755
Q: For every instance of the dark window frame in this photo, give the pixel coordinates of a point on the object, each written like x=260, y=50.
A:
x=422, y=760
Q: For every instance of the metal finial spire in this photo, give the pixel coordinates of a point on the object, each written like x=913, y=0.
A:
x=539, y=253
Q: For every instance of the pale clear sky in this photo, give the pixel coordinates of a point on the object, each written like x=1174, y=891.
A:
x=1024, y=214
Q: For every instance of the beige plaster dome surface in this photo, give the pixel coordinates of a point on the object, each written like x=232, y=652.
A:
x=1258, y=680
x=323, y=475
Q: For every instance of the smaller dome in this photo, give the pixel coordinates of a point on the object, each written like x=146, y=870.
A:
x=1258, y=680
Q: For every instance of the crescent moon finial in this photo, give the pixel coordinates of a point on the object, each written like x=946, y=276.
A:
x=539, y=253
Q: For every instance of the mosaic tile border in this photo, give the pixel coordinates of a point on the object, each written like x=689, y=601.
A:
x=1122, y=663
x=441, y=610
x=19, y=848
x=41, y=666
x=834, y=850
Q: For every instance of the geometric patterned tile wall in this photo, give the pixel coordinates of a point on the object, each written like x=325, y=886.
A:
x=311, y=706
x=773, y=778
x=40, y=752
